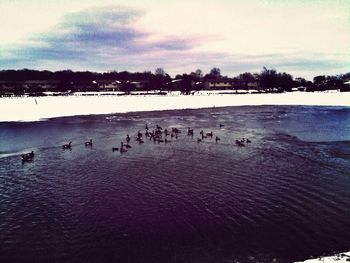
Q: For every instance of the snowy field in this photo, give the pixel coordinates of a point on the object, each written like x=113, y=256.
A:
x=36, y=108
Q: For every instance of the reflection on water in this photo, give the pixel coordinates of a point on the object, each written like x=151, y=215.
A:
x=284, y=197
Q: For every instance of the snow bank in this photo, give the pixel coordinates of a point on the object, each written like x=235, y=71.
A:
x=36, y=108
x=342, y=257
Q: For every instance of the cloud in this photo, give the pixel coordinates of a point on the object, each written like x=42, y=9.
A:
x=106, y=34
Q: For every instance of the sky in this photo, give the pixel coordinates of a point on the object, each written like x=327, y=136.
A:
x=305, y=38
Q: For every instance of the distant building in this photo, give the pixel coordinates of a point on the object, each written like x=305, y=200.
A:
x=139, y=85
x=253, y=85
x=82, y=85
x=8, y=86
x=109, y=85
x=346, y=86
x=43, y=85
x=234, y=84
x=218, y=84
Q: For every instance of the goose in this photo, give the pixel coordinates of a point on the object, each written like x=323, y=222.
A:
x=127, y=145
x=89, y=143
x=239, y=143
x=27, y=157
x=67, y=146
x=31, y=154
x=122, y=150
x=248, y=141
x=210, y=134
x=190, y=132
x=175, y=130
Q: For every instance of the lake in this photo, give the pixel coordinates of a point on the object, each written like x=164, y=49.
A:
x=281, y=198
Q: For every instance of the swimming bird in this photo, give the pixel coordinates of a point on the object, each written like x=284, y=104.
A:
x=190, y=132
x=31, y=154
x=27, y=157
x=199, y=140
x=239, y=143
x=221, y=125
x=89, y=143
x=210, y=134
x=127, y=145
x=217, y=139
x=115, y=149
x=248, y=141
x=166, y=132
x=175, y=130
x=127, y=138
x=67, y=146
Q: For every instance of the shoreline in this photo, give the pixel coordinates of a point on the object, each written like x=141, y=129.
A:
x=39, y=108
x=339, y=257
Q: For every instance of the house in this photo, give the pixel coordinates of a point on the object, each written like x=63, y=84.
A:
x=218, y=84
x=239, y=84
x=83, y=85
x=139, y=85
x=109, y=85
x=346, y=86
x=253, y=85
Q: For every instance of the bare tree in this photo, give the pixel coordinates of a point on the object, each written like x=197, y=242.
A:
x=160, y=72
x=199, y=73
x=215, y=73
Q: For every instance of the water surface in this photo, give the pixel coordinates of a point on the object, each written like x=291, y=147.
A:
x=284, y=197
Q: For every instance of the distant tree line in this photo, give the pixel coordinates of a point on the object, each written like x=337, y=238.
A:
x=267, y=79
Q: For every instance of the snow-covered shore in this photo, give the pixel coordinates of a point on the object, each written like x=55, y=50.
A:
x=341, y=257
x=36, y=108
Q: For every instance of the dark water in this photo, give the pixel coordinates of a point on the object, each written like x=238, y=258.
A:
x=285, y=197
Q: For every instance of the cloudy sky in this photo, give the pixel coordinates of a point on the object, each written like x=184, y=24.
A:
x=303, y=37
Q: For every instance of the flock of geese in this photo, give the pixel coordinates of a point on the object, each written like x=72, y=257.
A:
x=157, y=135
